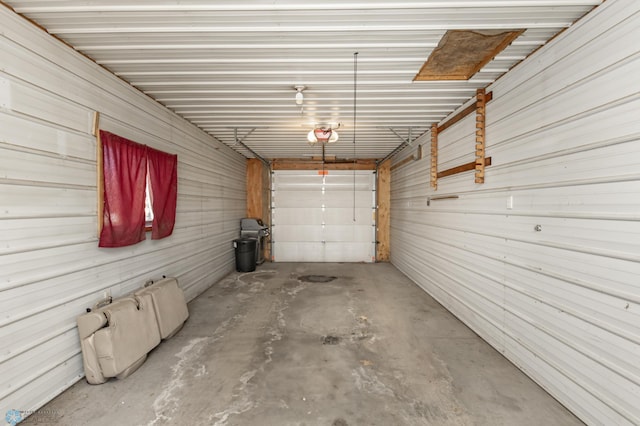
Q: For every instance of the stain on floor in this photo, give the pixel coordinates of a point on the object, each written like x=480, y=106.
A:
x=316, y=278
x=330, y=340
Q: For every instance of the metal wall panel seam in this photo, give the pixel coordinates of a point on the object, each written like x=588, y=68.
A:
x=563, y=308
x=563, y=91
x=455, y=297
x=561, y=47
x=41, y=153
x=629, y=177
x=63, y=112
x=602, y=144
x=145, y=135
x=124, y=256
x=603, y=398
x=62, y=243
x=55, y=349
x=224, y=168
x=196, y=288
x=43, y=184
x=519, y=341
x=219, y=260
x=74, y=366
x=615, y=330
x=36, y=121
x=37, y=342
x=204, y=276
x=591, y=286
x=572, y=163
x=47, y=216
x=207, y=278
x=167, y=122
x=622, y=372
x=623, y=217
x=73, y=60
x=38, y=374
x=513, y=139
x=569, y=247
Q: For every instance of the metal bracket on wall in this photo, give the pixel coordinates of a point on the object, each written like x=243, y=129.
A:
x=405, y=143
x=240, y=142
x=415, y=157
x=443, y=197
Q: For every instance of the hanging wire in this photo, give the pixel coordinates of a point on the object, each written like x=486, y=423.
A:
x=355, y=88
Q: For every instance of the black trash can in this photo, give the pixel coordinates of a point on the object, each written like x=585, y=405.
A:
x=245, y=254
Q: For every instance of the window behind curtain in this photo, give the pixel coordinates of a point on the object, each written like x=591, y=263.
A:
x=163, y=182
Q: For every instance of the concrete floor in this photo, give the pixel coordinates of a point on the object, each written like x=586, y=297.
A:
x=268, y=348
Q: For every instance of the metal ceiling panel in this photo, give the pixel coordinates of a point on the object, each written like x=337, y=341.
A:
x=230, y=67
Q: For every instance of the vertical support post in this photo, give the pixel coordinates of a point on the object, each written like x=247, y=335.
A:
x=254, y=189
x=383, y=201
x=434, y=156
x=259, y=195
x=480, y=135
x=99, y=171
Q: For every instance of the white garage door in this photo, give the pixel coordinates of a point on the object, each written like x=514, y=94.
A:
x=313, y=216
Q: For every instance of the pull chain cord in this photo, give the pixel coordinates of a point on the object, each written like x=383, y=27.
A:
x=323, y=172
x=355, y=87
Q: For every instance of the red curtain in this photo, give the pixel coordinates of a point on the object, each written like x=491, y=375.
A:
x=163, y=183
x=125, y=169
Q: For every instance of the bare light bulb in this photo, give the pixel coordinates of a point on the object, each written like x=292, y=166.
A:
x=311, y=137
x=299, y=95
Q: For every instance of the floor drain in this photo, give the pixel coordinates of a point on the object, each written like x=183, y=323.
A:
x=317, y=278
x=330, y=340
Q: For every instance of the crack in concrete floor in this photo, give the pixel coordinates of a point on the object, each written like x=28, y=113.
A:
x=242, y=397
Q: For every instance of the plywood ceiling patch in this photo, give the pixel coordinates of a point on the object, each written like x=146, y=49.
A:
x=462, y=53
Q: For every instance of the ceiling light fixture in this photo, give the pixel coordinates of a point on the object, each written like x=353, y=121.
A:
x=299, y=95
x=322, y=135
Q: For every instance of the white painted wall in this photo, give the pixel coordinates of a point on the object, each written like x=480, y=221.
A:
x=563, y=304
x=51, y=268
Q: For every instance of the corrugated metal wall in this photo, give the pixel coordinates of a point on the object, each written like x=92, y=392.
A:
x=51, y=268
x=563, y=303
